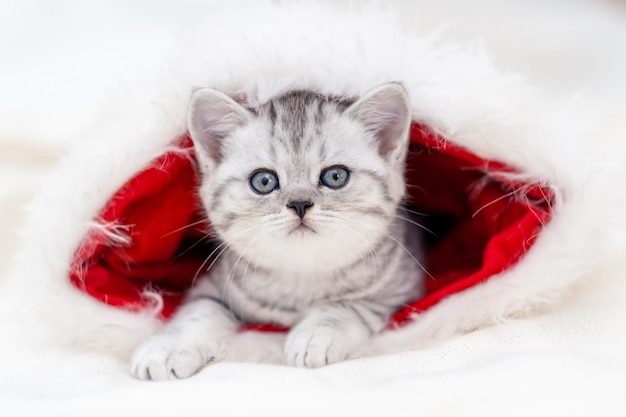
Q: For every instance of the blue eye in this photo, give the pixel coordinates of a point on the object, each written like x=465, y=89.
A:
x=335, y=177
x=264, y=182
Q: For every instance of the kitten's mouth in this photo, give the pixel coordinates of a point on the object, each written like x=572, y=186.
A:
x=301, y=229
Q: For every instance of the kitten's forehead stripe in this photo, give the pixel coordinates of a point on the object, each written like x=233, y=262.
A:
x=319, y=113
x=272, y=112
x=273, y=154
x=322, y=151
x=299, y=116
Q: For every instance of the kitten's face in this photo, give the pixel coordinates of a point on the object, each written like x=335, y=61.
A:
x=302, y=182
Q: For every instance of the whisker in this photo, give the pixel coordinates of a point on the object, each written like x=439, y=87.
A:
x=223, y=246
x=203, y=238
x=371, y=250
x=404, y=248
x=418, y=213
x=494, y=201
x=262, y=240
x=209, y=257
x=231, y=274
x=184, y=227
x=421, y=226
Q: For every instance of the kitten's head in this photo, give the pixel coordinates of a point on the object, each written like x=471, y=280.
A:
x=302, y=181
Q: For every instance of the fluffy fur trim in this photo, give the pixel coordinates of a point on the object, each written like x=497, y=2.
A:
x=455, y=92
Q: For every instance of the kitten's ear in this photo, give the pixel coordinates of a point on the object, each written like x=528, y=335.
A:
x=212, y=117
x=386, y=112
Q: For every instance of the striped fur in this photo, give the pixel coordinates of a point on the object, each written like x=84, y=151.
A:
x=334, y=274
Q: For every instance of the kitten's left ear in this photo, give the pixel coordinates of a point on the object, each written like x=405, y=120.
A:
x=213, y=116
x=386, y=112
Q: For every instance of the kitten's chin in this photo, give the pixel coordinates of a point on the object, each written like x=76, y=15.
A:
x=307, y=249
x=310, y=246
x=297, y=254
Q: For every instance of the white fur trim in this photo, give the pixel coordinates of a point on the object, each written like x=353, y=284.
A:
x=455, y=92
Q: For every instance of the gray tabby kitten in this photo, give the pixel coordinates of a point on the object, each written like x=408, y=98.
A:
x=303, y=193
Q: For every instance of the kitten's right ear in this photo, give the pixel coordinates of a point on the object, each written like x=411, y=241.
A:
x=212, y=117
x=385, y=111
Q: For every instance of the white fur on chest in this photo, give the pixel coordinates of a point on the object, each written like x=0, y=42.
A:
x=281, y=295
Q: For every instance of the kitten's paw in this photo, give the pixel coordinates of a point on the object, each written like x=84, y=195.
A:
x=316, y=346
x=166, y=357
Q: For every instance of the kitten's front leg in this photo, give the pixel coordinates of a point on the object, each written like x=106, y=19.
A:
x=190, y=341
x=330, y=333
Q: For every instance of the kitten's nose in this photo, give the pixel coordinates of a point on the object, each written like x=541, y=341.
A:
x=300, y=207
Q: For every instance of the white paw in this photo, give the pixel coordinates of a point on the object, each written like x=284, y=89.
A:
x=316, y=346
x=167, y=356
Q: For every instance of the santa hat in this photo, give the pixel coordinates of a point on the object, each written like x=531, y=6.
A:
x=510, y=189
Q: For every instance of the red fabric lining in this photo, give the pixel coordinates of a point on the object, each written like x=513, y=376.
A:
x=484, y=224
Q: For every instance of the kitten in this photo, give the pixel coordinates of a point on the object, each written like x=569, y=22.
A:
x=303, y=192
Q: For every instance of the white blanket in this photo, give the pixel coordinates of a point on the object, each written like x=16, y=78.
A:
x=567, y=361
